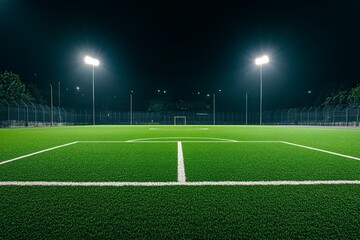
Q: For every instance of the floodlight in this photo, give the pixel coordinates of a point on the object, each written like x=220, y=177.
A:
x=91, y=61
x=262, y=60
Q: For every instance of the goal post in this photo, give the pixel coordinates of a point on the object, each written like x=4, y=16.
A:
x=179, y=120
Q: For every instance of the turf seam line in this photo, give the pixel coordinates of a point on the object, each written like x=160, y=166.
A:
x=204, y=183
x=181, y=167
x=35, y=153
x=322, y=150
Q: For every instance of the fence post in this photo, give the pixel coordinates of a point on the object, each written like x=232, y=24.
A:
x=35, y=113
x=357, y=116
x=316, y=111
x=334, y=114
x=27, y=113
x=64, y=115
x=288, y=113
x=18, y=107
x=309, y=115
x=8, y=107
x=43, y=113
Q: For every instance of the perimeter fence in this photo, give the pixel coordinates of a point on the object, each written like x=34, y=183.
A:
x=21, y=113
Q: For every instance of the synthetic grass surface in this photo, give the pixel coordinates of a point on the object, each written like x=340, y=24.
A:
x=18, y=142
x=97, y=162
x=173, y=212
x=217, y=212
x=264, y=161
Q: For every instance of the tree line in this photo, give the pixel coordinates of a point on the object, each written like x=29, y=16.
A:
x=12, y=88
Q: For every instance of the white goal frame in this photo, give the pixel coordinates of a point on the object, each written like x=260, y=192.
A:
x=179, y=117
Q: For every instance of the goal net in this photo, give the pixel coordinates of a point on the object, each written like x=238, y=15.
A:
x=179, y=120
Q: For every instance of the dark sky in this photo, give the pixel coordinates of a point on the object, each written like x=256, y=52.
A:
x=183, y=47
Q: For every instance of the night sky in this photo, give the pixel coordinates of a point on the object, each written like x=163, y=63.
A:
x=183, y=47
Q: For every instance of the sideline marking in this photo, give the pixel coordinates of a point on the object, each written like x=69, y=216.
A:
x=162, y=138
x=184, y=129
x=31, y=154
x=181, y=167
x=155, y=184
x=321, y=150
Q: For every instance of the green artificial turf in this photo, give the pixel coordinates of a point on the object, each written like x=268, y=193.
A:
x=179, y=212
x=216, y=212
x=97, y=162
x=264, y=161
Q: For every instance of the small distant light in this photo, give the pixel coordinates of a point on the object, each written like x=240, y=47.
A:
x=164, y=91
x=158, y=90
x=208, y=95
x=219, y=90
x=198, y=93
x=77, y=88
x=132, y=91
x=309, y=92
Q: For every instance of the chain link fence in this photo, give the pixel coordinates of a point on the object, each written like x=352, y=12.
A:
x=339, y=115
x=20, y=113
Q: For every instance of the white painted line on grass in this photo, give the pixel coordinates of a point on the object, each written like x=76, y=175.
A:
x=102, y=141
x=177, y=138
x=154, y=184
x=31, y=154
x=181, y=167
x=155, y=141
x=324, y=151
x=183, y=129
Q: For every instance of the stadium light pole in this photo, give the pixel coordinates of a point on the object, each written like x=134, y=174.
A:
x=246, y=108
x=131, y=108
x=51, y=105
x=214, y=108
x=94, y=63
x=260, y=61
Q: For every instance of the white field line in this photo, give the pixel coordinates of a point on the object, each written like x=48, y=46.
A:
x=324, y=151
x=102, y=141
x=165, y=141
x=154, y=184
x=184, y=129
x=181, y=167
x=34, y=153
x=149, y=140
x=177, y=138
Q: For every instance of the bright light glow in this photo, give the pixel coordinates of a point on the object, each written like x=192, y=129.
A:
x=91, y=61
x=262, y=60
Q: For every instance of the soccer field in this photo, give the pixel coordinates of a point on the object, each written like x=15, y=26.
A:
x=187, y=182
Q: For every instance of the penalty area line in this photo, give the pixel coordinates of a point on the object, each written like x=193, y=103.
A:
x=159, y=184
x=38, y=152
x=324, y=151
